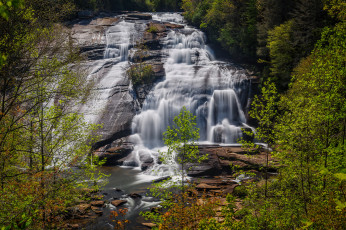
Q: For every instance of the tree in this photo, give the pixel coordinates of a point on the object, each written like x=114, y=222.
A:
x=180, y=139
x=281, y=52
x=41, y=134
x=265, y=111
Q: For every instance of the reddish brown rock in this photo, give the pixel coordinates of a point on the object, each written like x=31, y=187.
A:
x=156, y=27
x=135, y=195
x=173, y=26
x=104, y=21
x=117, y=203
x=216, y=192
x=96, y=210
x=213, y=181
x=97, y=197
x=72, y=226
x=149, y=225
x=203, y=186
x=114, y=155
x=82, y=208
x=229, y=189
x=98, y=203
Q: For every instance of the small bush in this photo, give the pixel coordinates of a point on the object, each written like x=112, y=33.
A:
x=152, y=29
x=240, y=191
x=141, y=74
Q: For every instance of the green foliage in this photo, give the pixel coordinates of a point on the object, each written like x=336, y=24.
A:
x=264, y=110
x=281, y=52
x=141, y=5
x=152, y=29
x=275, y=33
x=184, y=210
x=180, y=139
x=7, y=5
x=141, y=74
x=232, y=23
x=41, y=136
x=240, y=191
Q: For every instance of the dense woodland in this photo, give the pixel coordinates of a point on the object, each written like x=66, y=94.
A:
x=297, y=47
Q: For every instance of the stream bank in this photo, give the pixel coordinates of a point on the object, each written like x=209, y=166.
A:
x=225, y=171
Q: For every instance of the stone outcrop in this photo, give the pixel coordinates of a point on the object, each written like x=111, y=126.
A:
x=114, y=153
x=118, y=203
x=223, y=160
x=97, y=203
x=209, y=167
x=122, y=103
x=138, y=16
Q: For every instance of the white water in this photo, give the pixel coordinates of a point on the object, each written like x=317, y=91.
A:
x=120, y=38
x=214, y=91
x=211, y=90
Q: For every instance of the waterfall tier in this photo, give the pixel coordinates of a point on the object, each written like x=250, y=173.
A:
x=212, y=90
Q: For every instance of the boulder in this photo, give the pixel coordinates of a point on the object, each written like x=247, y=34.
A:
x=94, y=51
x=143, y=90
x=137, y=16
x=106, y=21
x=88, y=35
x=113, y=155
x=173, y=26
x=149, y=225
x=82, y=208
x=96, y=210
x=153, y=40
x=118, y=203
x=158, y=69
x=229, y=189
x=153, y=27
x=97, y=203
x=135, y=195
x=205, y=187
x=209, y=167
x=145, y=166
x=146, y=159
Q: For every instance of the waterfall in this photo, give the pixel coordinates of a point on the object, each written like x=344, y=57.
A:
x=214, y=91
x=119, y=38
x=109, y=75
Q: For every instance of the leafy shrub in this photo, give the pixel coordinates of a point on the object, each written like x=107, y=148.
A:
x=141, y=74
x=240, y=191
x=152, y=29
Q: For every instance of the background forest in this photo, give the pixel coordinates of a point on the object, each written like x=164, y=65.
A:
x=297, y=47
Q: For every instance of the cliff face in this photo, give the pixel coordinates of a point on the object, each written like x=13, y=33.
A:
x=108, y=44
x=184, y=73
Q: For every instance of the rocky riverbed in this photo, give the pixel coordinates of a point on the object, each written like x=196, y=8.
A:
x=216, y=177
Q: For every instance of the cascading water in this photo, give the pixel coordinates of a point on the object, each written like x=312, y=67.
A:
x=109, y=73
x=214, y=91
x=118, y=39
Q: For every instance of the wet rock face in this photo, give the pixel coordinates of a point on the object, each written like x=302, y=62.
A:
x=209, y=167
x=114, y=153
x=138, y=16
x=109, y=43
